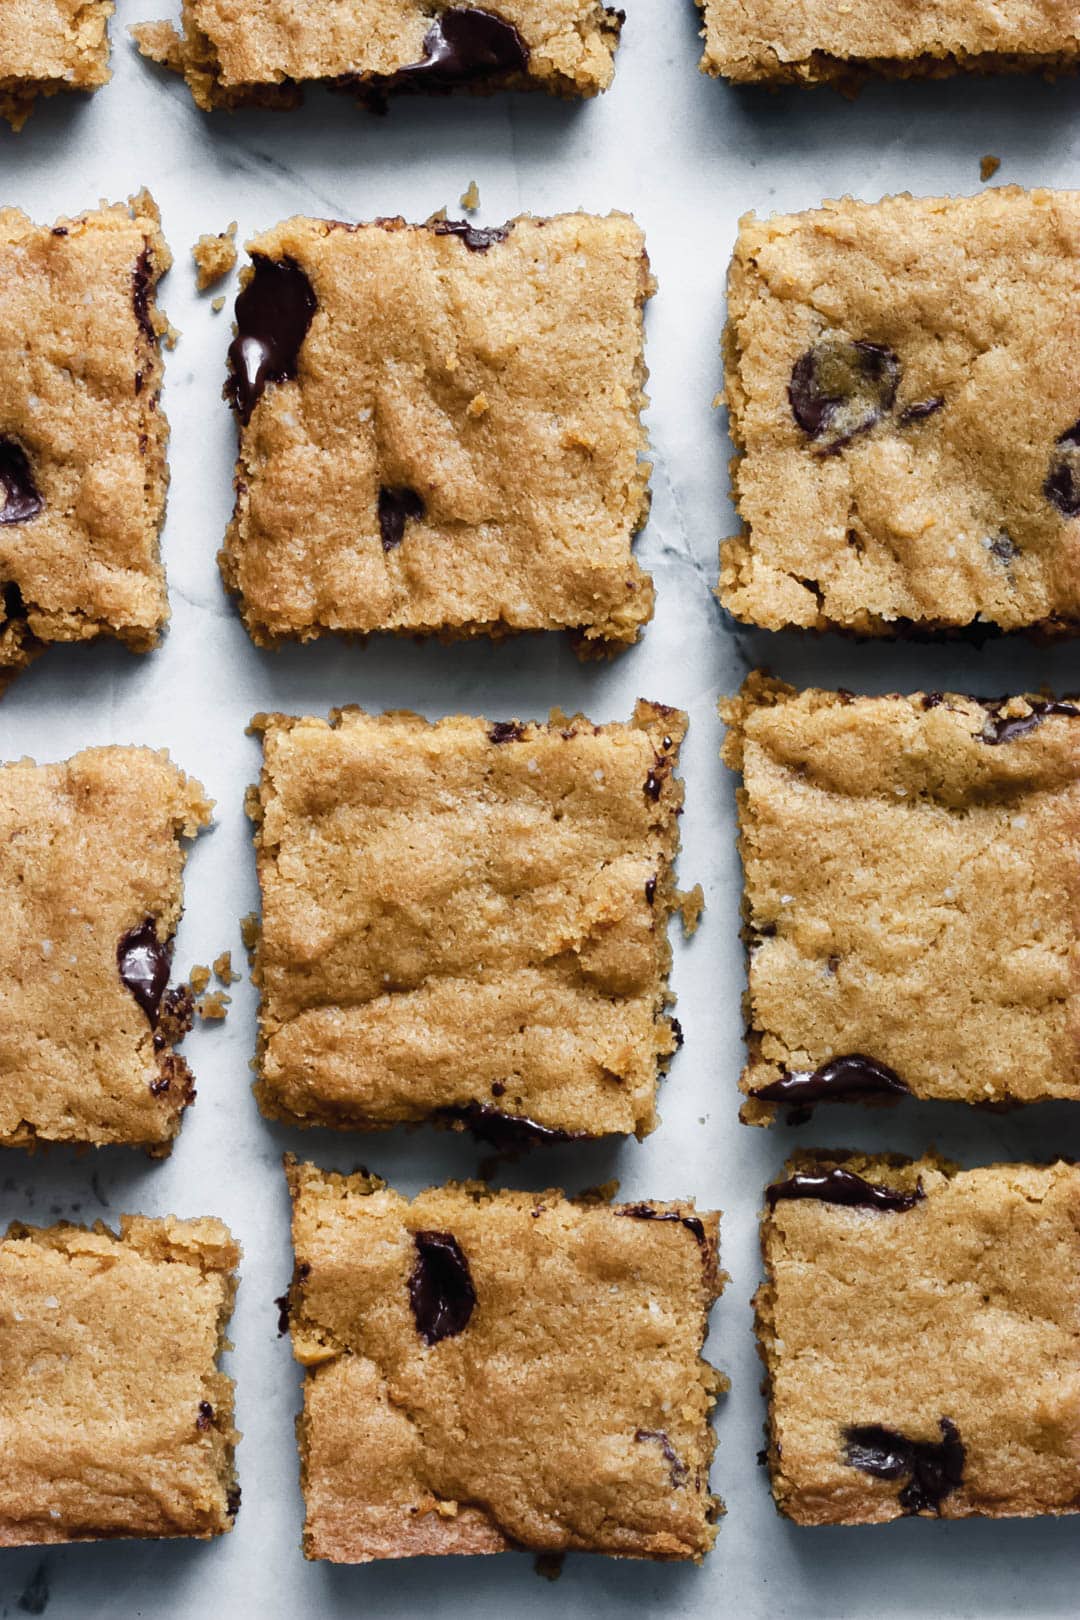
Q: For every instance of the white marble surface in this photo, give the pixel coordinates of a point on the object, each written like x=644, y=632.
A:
x=687, y=156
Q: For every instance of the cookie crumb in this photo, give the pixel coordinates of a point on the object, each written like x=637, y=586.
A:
x=477, y=406
x=718, y=400
x=217, y=304
x=470, y=198
x=199, y=977
x=224, y=971
x=691, y=903
x=989, y=166
x=214, y=1005
x=215, y=257
x=249, y=930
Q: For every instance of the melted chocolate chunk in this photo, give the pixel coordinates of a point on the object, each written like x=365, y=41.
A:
x=141, y=282
x=840, y=388
x=462, y=45
x=654, y=785
x=650, y=891
x=273, y=313
x=839, y=1186
x=396, y=507
x=920, y=410
x=477, y=238
x=507, y=1133
x=1062, y=487
x=853, y=1075
x=441, y=1290
x=645, y=1212
x=676, y=1467
x=1001, y=728
x=504, y=731
x=205, y=1417
x=932, y=1468
x=22, y=500
x=143, y=962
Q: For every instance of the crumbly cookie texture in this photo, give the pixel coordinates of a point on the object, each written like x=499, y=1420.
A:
x=51, y=45
x=809, y=41
x=215, y=257
x=82, y=436
x=440, y=429
x=90, y=890
x=910, y=898
x=919, y=1326
x=488, y=1370
x=466, y=921
x=117, y=1419
x=236, y=52
x=901, y=380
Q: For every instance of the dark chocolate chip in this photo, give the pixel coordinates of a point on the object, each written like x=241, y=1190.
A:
x=1003, y=548
x=282, y=1303
x=507, y=1133
x=22, y=500
x=163, y=1082
x=1000, y=728
x=654, y=785
x=477, y=238
x=645, y=1212
x=205, y=1417
x=650, y=890
x=14, y=605
x=933, y=1468
x=677, y=1034
x=462, y=45
x=142, y=278
x=840, y=388
x=498, y=1088
x=504, y=731
x=840, y=1186
x=232, y=1501
x=143, y=962
x=854, y=1075
x=396, y=507
x=273, y=313
x=932, y=700
x=921, y=409
x=1062, y=486
x=441, y=1290
x=676, y=1467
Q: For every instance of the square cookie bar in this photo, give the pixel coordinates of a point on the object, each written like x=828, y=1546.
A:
x=902, y=385
x=237, y=52
x=489, y=1370
x=466, y=921
x=116, y=1418
x=82, y=438
x=50, y=45
x=775, y=42
x=910, y=895
x=90, y=893
x=440, y=429
x=919, y=1325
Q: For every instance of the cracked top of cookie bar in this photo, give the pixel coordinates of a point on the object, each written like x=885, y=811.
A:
x=910, y=895
x=467, y=921
x=441, y=429
x=236, y=51
x=803, y=41
x=919, y=1328
x=902, y=386
x=90, y=890
x=117, y=1420
x=51, y=45
x=496, y=1369
x=82, y=440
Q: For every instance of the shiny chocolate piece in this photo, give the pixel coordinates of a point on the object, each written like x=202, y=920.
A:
x=841, y=388
x=273, y=314
x=645, y=1212
x=921, y=409
x=477, y=238
x=1001, y=728
x=141, y=281
x=650, y=891
x=1062, y=486
x=22, y=499
x=396, y=507
x=143, y=962
x=463, y=45
x=677, y=1469
x=932, y=1468
x=205, y=1418
x=840, y=1186
x=441, y=1290
x=506, y=1133
x=853, y=1076
x=504, y=731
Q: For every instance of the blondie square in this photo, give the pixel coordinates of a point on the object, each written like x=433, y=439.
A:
x=234, y=52
x=90, y=893
x=488, y=1370
x=776, y=41
x=901, y=380
x=911, y=895
x=82, y=438
x=440, y=429
x=921, y=1329
x=117, y=1420
x=466, y=921
x=50, y=45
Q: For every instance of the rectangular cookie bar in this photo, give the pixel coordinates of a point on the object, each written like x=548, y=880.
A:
x=117, y=1420
x=910, y=895
x=82, y=437
x=901, y=381
x=489, y=1370
x=919, y=1325
x=90, y=894
x=50, y=45
x=466, y=922
x=440, y=429
x=776, y=42
x=237, y=52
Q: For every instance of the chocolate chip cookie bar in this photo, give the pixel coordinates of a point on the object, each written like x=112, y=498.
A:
x=51, y=45
x=90, y=893
x=117, y=1420
x=910, y=895
x=774, y=42
x=488, y=1370
x=919, y=1326
x=82, y=437
x=466, y=921
x=440, y=429
x=235, y=52
x=901, y=381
